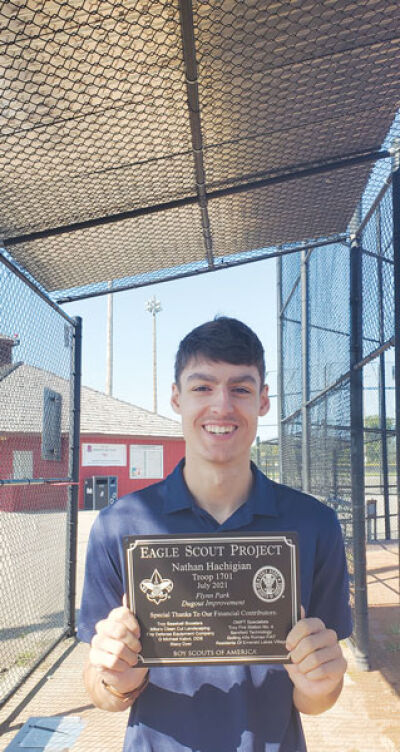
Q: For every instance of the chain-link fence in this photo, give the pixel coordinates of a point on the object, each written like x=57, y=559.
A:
x=142, y=142
x=265, y=454
x=36, y=357
x=145, y=141
x=337, y=344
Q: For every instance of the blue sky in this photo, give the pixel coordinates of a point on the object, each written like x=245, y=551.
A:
x=247, y=292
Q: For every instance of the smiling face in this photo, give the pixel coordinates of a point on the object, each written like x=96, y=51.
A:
x=219, y=404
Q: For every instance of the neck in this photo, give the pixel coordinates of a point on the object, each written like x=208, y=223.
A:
x=219, y=489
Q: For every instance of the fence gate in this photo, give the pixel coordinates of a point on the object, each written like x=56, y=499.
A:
x=39, y=446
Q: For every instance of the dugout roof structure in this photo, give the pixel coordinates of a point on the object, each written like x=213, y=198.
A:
x=143, y=141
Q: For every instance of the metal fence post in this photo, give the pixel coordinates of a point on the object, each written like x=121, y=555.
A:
x=72, y=519
x=279, y=381
x=357, y=452
x=396, y=259
x=382, y=381
x=305, y=432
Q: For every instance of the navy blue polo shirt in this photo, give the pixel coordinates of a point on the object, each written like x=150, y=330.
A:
x=233, y=708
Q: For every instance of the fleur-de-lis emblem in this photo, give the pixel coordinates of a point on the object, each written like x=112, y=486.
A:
x=156, y=589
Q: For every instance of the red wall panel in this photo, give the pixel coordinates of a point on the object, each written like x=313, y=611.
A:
x=174, y=450
x=30, y=497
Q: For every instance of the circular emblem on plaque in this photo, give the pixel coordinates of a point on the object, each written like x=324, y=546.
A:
x=268, y=584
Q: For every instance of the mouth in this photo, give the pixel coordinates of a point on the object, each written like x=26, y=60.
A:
x=217, y=430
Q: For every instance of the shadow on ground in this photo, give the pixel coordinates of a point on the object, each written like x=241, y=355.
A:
x=384, y=625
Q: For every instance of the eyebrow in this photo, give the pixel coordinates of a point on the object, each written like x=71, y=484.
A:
x=198, y=376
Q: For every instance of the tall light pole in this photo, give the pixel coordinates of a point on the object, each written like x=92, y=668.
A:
x=153, y=306
x=110, y=332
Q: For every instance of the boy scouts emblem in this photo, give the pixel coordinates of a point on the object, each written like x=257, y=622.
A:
x=268, y=584
x=156, y=589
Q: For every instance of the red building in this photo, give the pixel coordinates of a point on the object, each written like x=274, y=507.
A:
x=122, y=441
x=123, y=447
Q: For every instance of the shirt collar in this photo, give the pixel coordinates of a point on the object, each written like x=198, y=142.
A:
x=263, y=494
x=262, y=499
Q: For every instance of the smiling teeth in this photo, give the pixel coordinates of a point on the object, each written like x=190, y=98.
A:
x=219, y=429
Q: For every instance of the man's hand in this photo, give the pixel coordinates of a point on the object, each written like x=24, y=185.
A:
x=113, y=657
x=317, y=667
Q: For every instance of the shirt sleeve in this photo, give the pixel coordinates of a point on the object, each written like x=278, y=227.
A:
x=103, y=584
x=330, y=589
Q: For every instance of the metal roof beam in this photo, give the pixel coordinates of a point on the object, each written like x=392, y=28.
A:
x=293, y=173
x=189, y=58
x=219, y=264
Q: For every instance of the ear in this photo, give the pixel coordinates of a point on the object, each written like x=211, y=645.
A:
x=175, y=399
x=264, y=401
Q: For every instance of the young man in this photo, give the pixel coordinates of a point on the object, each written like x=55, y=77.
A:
x=219, y=392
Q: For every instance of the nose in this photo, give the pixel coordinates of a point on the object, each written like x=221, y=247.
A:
x=222, y=401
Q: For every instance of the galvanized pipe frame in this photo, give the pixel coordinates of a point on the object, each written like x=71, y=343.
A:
x=305, y=372
x=74, y=444
x=396, y=258
x=378, y=198
x=357, y=458
x=342, y=379
x=354, y=376
x=72, y=481
x=294, y=172
x=382, y=379
x=193, y=103
x=36, y=482
x=219, y=265
x=279, y=361
x=319, y=328
x=34, y=286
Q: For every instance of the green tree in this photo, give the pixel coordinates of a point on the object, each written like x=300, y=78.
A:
x=372, y=439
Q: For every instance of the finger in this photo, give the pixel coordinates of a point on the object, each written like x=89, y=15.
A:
x=101, y=660
x=119, y=621
x=120, y=649
x=122, y=613
x=125, y=600
x=324, y=639
x=328, y=670
x=303, y=612
x=318, y=658
x=302, y=629
x=119, y=632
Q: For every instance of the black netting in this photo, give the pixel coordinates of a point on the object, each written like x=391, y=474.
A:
x=151, y=113
x=379, y=448
x=35, y=379
x=329, y=451
x=290, y=274
x=291, y=343
x=265, y=454
x=378, y=276
x=329, y=317
x=140, y=142
x=327, y=436
x=291, y=438
x=33, y=524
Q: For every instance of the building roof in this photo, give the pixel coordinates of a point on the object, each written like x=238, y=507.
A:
x=21, y=407
x=103, y=414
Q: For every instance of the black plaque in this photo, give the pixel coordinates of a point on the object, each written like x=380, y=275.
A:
x=213, y=598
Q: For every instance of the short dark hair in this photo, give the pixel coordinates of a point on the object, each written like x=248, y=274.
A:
x=221, y=340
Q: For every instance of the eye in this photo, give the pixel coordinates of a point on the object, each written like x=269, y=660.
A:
x=201, y=388
x=241, y=390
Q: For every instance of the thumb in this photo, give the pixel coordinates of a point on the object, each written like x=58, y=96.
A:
x=125, y=600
